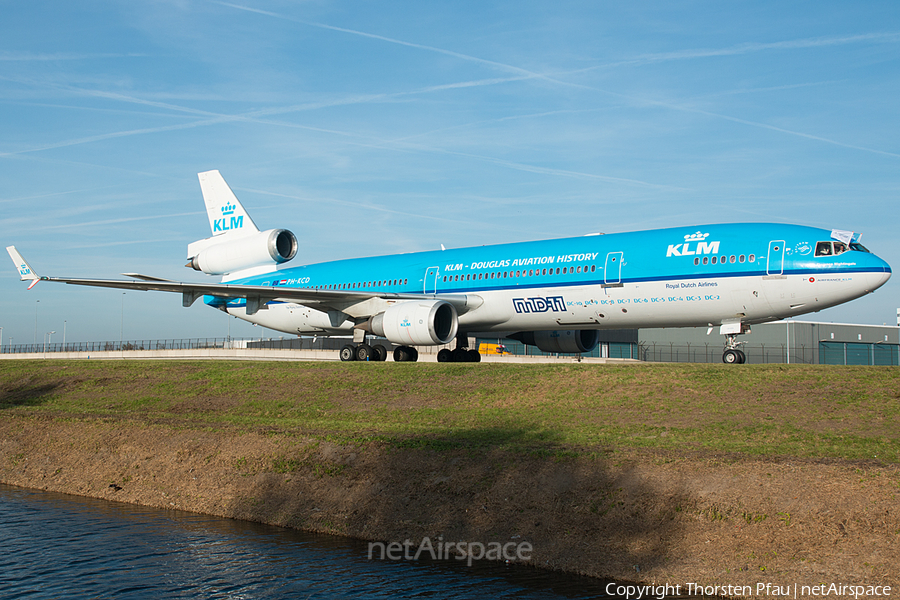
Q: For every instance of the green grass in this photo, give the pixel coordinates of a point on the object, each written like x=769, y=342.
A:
x=804, y=411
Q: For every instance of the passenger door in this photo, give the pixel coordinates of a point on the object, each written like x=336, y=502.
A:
x=775, y=262
x=431, y=279
x=612, y=270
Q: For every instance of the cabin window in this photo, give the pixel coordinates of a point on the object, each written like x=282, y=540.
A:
x=732, y=258
x=714, y=260
x=593, y=268
x=565, y=270
x=696, y=260
x=752, y=258
x=823, y=249
x=705, y=260
x=741, y=258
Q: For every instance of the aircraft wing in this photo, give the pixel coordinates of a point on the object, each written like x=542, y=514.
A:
x=256, y=295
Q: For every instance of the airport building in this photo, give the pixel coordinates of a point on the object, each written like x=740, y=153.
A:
x=785, y=342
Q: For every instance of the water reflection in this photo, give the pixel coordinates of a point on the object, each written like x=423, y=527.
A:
x=61, y=546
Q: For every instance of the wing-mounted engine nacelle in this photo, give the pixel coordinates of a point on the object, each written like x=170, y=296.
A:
x=416, y=323
x=566, y=341
x=263, y=248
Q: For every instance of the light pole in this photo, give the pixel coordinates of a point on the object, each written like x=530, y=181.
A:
x=122, y=328
x=1, y=339
x=34, y=342
x=64, y=336
x=49, y=333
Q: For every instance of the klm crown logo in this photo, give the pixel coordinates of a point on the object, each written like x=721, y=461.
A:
x=696, y=237
x=228, y=220
x=24, y=270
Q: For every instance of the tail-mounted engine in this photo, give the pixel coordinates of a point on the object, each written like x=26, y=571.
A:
x=567, y=341
x=263, y=248
x=416, y=323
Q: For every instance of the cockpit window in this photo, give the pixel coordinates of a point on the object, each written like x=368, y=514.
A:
x=858, y=247
x=823, y=249
x=839, y=247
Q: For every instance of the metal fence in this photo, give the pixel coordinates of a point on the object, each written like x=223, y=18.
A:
x=117, y=346
x=824, y=353
x=712, y=353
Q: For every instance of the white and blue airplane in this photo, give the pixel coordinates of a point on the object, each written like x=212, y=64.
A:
x=553, y=294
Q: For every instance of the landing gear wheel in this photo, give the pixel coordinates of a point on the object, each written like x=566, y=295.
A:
x=348, y=353
x=364, y=352
x=732, y=357
x=741, y=356
x=405, y=354
x=473, y=356
x=459, y=355
x=445, y=355
x=380, y=353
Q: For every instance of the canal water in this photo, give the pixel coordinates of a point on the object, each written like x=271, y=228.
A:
x=60, y=546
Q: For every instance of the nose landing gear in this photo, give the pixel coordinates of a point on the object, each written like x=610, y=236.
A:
x=733, y=355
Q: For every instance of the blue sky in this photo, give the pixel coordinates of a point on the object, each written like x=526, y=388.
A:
x=372, y=128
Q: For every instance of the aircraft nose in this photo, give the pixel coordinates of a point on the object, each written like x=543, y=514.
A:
x=879, y=278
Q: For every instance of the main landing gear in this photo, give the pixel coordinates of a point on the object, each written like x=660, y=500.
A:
x=461, y=353
x=733, y=355
x=377, y=353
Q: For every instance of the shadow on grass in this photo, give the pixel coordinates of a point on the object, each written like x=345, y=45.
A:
x=26, y=395
x=502, y=484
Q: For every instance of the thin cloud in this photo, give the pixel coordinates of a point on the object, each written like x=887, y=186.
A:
x=749, y=48
x=125, y=220
x=688, y=109
x=29, y=57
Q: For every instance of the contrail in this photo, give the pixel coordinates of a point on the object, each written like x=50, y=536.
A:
x=459, y=55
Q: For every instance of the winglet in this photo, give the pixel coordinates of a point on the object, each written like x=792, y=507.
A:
x=26, y=273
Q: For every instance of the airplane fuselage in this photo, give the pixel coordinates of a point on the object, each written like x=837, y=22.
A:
x=678, y=277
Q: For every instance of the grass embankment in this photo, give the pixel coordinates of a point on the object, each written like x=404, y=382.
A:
x=767, y=410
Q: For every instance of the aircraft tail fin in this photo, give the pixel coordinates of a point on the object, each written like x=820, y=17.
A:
x=26, y=273
x=226, y=214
